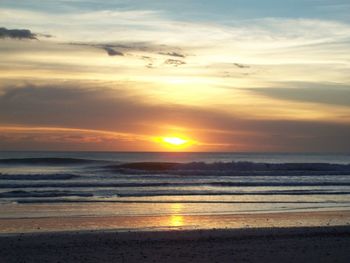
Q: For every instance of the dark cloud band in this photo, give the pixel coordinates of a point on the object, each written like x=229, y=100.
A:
x=118, y=110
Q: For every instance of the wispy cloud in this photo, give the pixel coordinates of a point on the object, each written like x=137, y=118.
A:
x=151, y=25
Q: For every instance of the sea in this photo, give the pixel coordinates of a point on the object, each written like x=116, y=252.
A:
x=82, y=184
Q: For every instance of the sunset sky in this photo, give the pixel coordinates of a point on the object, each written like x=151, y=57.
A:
x=225, y=75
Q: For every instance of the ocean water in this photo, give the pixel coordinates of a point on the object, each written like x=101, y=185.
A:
x=51, y=184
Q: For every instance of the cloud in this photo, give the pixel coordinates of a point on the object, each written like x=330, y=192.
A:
x=147, y=47
x=112, y=52
x=146, y=51
x=127, y=46
x=17, y=33
x=174, y=62
x=238, y=65
x=150, y=25
x=172, y=54
x=330, y=94
x=149, y=60
x=139, y=31
x=120, y=111
x=26, y=137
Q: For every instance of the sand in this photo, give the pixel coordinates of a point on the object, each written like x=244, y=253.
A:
x=311, y=244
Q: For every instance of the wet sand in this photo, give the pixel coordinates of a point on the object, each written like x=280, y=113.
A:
x=175, y=221
x=313, y=244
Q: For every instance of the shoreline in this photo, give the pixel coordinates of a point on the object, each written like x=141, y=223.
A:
x=299, y=244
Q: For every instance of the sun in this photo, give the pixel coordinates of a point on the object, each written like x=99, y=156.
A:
x=176, y=141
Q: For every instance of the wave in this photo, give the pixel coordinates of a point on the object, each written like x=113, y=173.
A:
x=48, y=161
x=37, y=176
x=231, y=168
x=166, y=184
x=17, y=194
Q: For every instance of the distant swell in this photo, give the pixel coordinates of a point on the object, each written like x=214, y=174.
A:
x=47, y=161
x=37, y=176
x=17, y=194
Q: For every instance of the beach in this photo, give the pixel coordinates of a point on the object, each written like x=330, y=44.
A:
x=271, y=237
x=314, y=244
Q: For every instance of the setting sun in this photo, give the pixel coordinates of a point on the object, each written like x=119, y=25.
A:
x=174, y=141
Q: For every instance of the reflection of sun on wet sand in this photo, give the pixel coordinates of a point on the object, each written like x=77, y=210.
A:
x=176, y=220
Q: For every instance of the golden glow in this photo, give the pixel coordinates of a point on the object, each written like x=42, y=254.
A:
x=174, y=140
x=176, y=220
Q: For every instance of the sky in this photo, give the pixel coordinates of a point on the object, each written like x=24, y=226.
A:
x=241, y=76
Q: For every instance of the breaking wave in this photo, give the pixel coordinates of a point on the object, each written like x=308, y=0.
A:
x=232, y=168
